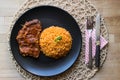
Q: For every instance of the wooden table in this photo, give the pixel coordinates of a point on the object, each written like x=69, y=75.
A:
x=110, y=10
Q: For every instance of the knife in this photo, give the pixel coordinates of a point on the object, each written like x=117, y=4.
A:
x=97, y=55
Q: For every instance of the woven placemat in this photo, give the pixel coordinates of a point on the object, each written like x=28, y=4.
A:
x=78, y=9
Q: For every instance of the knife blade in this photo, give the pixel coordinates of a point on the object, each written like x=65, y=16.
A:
x=97, y=55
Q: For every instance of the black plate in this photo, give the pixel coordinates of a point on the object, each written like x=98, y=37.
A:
x=44, y=66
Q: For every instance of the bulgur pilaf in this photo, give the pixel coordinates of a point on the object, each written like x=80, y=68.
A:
x=55, y=42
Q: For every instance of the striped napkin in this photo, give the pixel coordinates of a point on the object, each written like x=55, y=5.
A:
x=87, y=36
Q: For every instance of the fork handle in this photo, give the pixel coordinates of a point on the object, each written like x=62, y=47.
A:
x=90, y=53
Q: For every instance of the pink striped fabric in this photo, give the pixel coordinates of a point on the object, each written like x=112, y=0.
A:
x=87, y=36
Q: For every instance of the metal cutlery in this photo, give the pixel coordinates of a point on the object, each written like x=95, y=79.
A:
x=97, y=55
x=90, y=29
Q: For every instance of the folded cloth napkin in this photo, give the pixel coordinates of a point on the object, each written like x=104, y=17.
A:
x=87, y=36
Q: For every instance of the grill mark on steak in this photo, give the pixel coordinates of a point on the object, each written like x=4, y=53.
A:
x=28, y=38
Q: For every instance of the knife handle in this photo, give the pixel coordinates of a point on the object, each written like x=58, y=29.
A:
x=97, y=56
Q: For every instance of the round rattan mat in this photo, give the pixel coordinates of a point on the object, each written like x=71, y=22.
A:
x=78, y=9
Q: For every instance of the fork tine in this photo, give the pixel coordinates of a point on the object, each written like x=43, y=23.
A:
x=90, y=22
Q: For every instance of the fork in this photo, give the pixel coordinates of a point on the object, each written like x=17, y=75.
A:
x=90, y=29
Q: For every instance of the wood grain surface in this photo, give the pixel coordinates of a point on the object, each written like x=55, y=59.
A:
x=110, y=10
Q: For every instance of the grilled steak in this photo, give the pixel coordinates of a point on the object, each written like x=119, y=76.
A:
x=28, y=38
